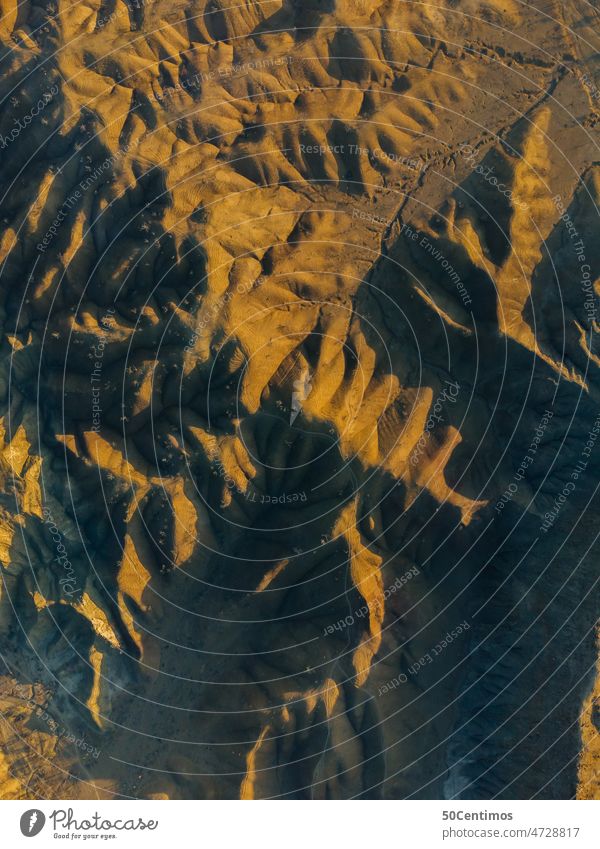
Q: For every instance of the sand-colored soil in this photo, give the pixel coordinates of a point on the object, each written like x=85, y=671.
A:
x=299, y=372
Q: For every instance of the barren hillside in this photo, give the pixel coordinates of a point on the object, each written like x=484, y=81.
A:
x=300, y=399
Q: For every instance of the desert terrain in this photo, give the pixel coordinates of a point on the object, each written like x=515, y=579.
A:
x=300, y=399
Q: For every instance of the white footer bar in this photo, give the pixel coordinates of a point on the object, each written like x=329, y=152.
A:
x=302, y=824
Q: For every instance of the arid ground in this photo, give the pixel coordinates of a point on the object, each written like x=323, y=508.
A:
x=300, y=398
